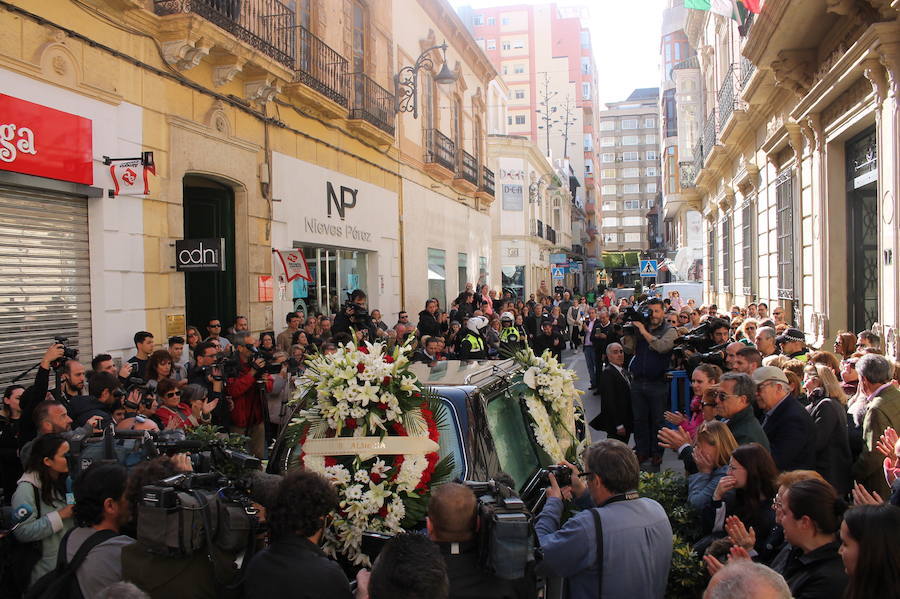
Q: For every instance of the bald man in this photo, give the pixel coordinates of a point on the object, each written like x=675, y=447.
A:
x=731, y=351
x=743, y=579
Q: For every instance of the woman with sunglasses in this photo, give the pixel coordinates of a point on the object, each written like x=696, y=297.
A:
x=746, y=333
x=827, y=406
x=712, y=450
x=172, y=413
x=845, y=344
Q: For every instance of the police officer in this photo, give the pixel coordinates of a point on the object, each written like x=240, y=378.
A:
x=472, y=346
x=511, y=338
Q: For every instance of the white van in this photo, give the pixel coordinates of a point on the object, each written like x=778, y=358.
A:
x=686, y=289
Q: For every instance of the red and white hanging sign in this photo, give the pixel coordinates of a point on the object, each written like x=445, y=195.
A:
x=130, y=176
x=294, y=264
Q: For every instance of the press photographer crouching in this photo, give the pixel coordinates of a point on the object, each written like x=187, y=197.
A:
x=632, y=533
x=453, y=524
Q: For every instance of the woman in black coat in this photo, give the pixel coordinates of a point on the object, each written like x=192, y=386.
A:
x=827, y=407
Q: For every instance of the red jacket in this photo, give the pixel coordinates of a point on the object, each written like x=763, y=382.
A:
x=180, y=414
x=248, y=405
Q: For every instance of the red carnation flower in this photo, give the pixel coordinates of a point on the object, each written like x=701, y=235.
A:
x=363, y=349
x=375, y=477
x=382, y=406
x=386, y=381
x=350, y=422
x=389, y=359
x=330, y=462
x=383, y=512
x=360, y=367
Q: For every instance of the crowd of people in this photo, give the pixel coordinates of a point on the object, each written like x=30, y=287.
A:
x=791, y=455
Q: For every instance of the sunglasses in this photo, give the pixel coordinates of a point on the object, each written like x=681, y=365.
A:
x=215, y=326
x=173, y=394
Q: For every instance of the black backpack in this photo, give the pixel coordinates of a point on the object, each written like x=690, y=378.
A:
x=62, y=582
x=19, y=559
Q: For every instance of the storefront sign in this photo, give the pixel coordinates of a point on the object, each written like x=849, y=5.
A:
x=294, y=264
x=36, y=140
x=198, y=255
x=346, y=200
x=348, y=232
x=512, y=197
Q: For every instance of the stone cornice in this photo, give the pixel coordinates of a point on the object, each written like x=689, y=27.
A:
x=762, y=29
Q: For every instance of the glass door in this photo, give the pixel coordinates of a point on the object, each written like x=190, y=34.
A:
x=862, y=206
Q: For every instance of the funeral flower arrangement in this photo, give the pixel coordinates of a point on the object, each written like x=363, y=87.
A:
x=551, y=404
x=367, y=424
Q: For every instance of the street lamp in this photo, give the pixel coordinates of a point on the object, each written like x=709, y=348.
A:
x=407, y=80
x=534, y=190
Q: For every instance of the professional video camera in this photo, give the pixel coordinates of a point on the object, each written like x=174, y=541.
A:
x=69, y=353
x=506, y=538
x=271, y=366
x=639, y=313
x=698, y=346
x=147, y=389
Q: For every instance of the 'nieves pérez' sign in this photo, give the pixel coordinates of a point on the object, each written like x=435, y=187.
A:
x=41, y=141
x=197, y=255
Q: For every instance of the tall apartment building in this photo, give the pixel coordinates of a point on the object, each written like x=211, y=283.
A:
x=543, y=53
x=629, y=169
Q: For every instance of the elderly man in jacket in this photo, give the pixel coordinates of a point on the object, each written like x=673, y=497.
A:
x=787, y=424
x=882, y=411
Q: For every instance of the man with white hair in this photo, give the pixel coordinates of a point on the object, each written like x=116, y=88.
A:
x=882, y=410
x=744, y=579
x=765, y=341
x=787, y=424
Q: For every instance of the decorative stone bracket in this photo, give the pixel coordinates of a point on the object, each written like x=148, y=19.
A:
x=261, y=90
x=225, y=73
x=185, y=54
x=794, y=70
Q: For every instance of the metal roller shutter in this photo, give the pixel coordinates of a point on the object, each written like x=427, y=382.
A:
x=45, y=285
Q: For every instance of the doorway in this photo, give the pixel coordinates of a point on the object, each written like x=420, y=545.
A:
x=862, y=221
x=209, y=213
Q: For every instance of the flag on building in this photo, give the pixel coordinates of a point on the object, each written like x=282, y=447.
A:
x=734, y=9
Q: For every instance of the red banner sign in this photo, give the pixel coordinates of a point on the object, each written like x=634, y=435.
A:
x=36, y=140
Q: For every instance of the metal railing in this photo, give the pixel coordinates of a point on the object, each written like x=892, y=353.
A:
x=467, y=167
x=321, y=68
x=439, y=149
x=709, y=134
x=267, y=25
x=540, y=229
x=698, y=159
x=551, y=234
x=487, y=180
x=688, y=63
x=371, y=102
x=687, y=174
x=747, y=69
x=726, y=97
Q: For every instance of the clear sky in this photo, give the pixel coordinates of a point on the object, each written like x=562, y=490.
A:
x=625, y=34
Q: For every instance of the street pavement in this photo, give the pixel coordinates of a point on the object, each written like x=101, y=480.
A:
x=575, y=359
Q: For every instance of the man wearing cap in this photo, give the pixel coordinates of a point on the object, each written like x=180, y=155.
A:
x=789, y=427
x=549, y=339
x=793, y=344
x=511, y=338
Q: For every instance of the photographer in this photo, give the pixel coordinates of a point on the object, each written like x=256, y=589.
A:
x=246, y=387
x=353, y=317
x=103, y=387
x=622, y=545
x=294, y=565
x=452, y=524
x=651, y=344
x=208, y=375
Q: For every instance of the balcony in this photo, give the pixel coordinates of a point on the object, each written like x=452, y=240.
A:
x=440, y=152
x=323, y=72
x=747, y=69
x=688, y=174
x=486, y=188
x=551, y=234
x=726, y=97
x=466, y=179
x=372, y=107
x=709, y=134
x=267, y=25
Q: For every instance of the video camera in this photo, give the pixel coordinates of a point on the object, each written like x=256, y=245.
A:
x=506, y=538
x=697, y=346
x=69, y=353
x=271, y=366
x=147, y=389
x=640, y=313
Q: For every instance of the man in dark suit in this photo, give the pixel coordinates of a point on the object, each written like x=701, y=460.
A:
x=549, y=339
x=602, y=334
x=614, y=384
x=789, y=427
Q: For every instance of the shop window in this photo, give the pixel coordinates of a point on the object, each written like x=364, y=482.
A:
x=514, y=280
x=437, y=275
x=483, y=275
x=462, y=270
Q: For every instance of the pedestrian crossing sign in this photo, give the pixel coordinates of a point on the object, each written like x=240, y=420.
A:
x=556, y=272
x=648, y=268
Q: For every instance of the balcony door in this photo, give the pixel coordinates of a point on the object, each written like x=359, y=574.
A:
x=862, y=221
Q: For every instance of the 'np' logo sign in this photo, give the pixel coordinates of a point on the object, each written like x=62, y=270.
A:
x=346, y=200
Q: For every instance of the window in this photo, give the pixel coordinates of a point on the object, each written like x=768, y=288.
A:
x=520, y=94
x=651, y=188
x=633, y=221
x=651, y=171
x=631, y=172
x=505, y=70
x=505, y=45
x=711, y=256
x=509, y=120
x=633, y=188
x=520, y=119
x=608, y=190
x=607, y=157
x=651, y=203
x=585, y=90
x=649, y=139
x=784, y=194
x=585, y=39
x=504, y=20
x=652, y=155
x=437, y=275
x=632, y=237
x=462, y=271
x=607, y=142
x=588, y=142
x=519, y=69
x=629, y=123
x=513, y=280
x=518, y=44
x=492, y=44
x=491, y=21
x=608, y=173
x=610, y=238
x=726, y=254
x=609, y=205
x=747, y=247
x=632, y=204
x=588, y=167
x=630, y=156
x=649, y=123
x=478, y=20
x=631, y=140
x=359, y=38
x=610, y=221
x=607, y=125
x=586, y=65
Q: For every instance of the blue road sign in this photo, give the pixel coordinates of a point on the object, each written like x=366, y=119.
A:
x=648, y=268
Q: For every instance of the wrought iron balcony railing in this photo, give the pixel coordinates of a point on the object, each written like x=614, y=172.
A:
x=321, y=68
x=467, y=167
x=698, y=160
x=487, y=180
x=540, y=229
x=551, y=234
x=440, y=149
x=727, y=97
x=747, y=69
x=267, y=25
x=709, y=134
x=687, y=174
x=371, y=102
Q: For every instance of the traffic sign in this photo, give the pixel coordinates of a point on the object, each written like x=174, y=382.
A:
x=557, y=272
x=648, y=268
